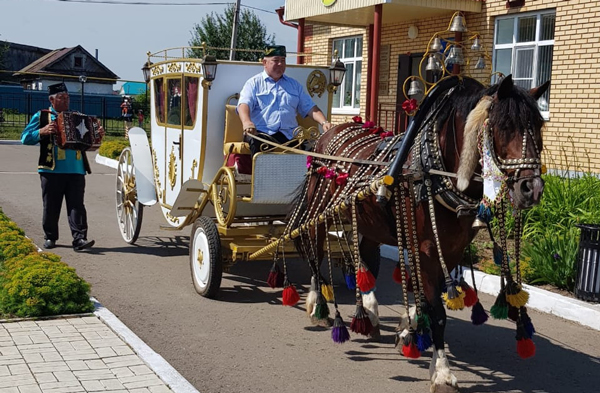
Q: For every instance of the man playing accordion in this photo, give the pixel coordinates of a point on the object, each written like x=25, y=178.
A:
x=62, y=172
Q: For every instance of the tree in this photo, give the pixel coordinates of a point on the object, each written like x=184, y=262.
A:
x=216, y=29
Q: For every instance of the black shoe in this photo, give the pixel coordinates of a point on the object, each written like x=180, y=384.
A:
x=49, y=243
x=81, y=244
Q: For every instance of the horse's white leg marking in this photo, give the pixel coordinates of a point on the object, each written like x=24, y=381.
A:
x=439, y=371
x=372, y=307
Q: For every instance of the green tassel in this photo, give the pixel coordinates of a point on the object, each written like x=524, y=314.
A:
x=500, y=308
x=321, y=309
x=423, y=322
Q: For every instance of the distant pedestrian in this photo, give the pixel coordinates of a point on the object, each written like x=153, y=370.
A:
x=127, y=113
x=140, y=118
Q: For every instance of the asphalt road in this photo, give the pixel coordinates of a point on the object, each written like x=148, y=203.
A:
x=246, y=341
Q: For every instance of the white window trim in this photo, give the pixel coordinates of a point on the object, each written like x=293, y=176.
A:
x=347, y=110
x=537, y=43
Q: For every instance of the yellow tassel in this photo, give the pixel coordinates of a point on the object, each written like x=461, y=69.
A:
x=458, y=303
x=327, y=291
x=519, y=299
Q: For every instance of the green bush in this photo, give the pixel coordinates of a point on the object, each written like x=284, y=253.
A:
x=15, y=245
x=113, y=148
x=40, y=285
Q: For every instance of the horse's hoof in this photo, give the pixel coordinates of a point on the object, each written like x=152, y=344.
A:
x=375, y=334
x=444, y=388
x=327, y=322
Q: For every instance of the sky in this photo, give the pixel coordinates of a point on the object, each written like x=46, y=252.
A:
x=123, y=34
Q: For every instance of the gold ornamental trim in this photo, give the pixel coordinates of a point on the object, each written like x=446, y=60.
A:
x=174, y=67
x=194, y=166
x=193, y=67
x=172, y=218
x=159, y=190
x=316, y=83
x=172, y=168
x=157, y=70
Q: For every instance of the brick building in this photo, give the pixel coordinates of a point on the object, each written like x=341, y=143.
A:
x=534, y=40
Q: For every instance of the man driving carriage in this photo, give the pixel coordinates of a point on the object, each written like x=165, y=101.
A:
x=269, y=102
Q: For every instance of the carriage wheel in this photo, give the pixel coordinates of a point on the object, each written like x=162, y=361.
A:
x=224, y=196
x=129, y=210
x=206, y=262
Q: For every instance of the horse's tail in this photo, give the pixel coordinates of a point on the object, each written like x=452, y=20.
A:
x=470, y=153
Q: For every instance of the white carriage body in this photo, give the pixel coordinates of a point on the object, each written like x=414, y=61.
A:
x=194, y=149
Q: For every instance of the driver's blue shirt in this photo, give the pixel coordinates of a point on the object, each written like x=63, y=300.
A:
x=274, y=104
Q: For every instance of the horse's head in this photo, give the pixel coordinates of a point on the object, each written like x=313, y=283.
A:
x=514, y=128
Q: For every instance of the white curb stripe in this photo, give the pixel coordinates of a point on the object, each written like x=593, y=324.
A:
x=587, y=314
x=157, y=363
x=106, y=161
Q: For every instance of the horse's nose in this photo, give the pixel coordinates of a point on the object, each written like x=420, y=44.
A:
x=532, y=189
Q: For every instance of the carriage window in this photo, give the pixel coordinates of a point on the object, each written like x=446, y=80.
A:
x=524, y=44
x=347, y=98
x=191, y=99
x=174, y=102
x=159, y=100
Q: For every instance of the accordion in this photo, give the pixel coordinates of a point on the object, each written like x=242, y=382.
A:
x=77, y=131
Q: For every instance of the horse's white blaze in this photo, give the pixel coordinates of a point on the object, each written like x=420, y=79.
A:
x=372, y=307
x=439, y=371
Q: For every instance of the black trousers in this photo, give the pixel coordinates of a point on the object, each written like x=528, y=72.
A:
x=277, y=137
x=71, y=186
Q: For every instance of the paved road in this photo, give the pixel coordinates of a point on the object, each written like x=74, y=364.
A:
x=247, y=342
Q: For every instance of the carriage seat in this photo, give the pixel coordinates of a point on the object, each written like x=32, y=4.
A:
x=234, y=132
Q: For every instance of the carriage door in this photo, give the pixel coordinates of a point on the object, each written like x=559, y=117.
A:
x=173, y=139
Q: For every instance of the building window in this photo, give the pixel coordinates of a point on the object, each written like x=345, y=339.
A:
x=347, y=98
x=78, y=62
x=523, y=47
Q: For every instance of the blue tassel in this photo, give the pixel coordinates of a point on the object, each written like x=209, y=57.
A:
x=498, y=254
x=484, y=213
x=478, y=314
x=527, y=325
x=350, y=281
x=423, y=340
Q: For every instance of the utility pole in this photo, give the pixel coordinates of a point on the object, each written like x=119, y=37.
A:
x=236, y=21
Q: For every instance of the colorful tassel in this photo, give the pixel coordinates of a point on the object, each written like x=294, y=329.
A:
x=276, y=278
x=513, y=313
x=290, y=294
x=484, y=213
x=397, y=274
x=454, y=297
x=423, y=321
x=365, y=280
x=478, y=314
x=470, y=295
x=409, y=345
x=498, y=254
x=350, y=281
x=515, y=295
x=525, y=345
x=500, y=308
x=527, y=324
x=321, y=309
x=361, y=323
x=424, y=340
x=327, y=291
x=339, y=332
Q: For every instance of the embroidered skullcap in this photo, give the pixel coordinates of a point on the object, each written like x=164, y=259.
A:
x=57, y=88
x=275, y=50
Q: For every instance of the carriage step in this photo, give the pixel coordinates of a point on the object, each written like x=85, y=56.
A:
x=187, y=197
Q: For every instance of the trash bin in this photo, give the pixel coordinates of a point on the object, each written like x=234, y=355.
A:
x=587, y=286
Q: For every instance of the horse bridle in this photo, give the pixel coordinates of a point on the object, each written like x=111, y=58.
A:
x=518, y=164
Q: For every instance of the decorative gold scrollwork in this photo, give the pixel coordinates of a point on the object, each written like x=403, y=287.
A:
x=157, y=70
x=172, y=168
x=159, y=190
x=193, y=67
x=310, y=134
x=174, y=67
x=172, y=218
x=194, y=166
x=316, y=83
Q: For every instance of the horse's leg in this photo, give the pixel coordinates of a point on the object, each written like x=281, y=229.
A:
x=442, y=379
x=370, y=254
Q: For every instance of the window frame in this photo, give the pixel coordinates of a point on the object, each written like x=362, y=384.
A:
x=344, y=109
x=515, y=46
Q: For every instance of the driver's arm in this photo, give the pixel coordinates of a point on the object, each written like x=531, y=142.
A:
x=244, y=113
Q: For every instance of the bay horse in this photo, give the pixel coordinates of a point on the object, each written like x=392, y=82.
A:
x=447, y=139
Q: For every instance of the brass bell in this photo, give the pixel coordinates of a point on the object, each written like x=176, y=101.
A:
x=436, y=45
x=415, y=89
x=478, y=224
x=458, y=24
x=480, y=65
x=433, y=64
x=476, y=44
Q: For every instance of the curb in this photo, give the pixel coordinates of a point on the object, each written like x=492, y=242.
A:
x=586, y=314
x=176, y=382
x=106, y=161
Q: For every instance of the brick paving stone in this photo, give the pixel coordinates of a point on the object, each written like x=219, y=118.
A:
x=89, y=375
x=80, y=355
x=62, y=387
x=39, y=338
x=18, y=369
x=45, y=377
x=160, y=389
x=123, y=350
x=81, y=346
x=105, y=352
x=16, y=380
x=13, y=389
x=65, y=376
x=49, y=367
x=112, y=384
x=105, y=342
x=8, y=351
x=51, y=356
x=91, y=335
x=4, y=371
x=141, y=370
x=66, y=338
x=21, y=340
x=121, y=361
x=96, y=364
x=141, y=381
x=30, y=389
x=36, y=347
x=141, y=390
x=92, y=386
x=77, y=365
x=122, y=372
x=33, y=358
x=11, y=361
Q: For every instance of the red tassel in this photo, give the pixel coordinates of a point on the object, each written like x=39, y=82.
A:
x=397, y=275
x=525, y=348
x=290, y=295
x=470, y=295
x=276, y=277
x=411, y=351
x=365, y=280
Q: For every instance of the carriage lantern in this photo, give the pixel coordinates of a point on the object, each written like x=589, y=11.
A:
x=146, y=71
x=336, y=73
x=209, y=69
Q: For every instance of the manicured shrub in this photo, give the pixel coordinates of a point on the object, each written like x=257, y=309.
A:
x=40, y=285
x=12, y=244
x=113, y=148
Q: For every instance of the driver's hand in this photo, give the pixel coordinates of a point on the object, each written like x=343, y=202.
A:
x=250, y=130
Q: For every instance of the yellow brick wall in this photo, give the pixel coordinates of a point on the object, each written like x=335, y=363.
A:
x=572, y=130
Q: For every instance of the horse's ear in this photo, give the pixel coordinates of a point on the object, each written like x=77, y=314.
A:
x=537, y=92
x=505, y=88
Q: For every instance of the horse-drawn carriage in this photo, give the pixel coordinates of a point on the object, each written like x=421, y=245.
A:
x=198, y=169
